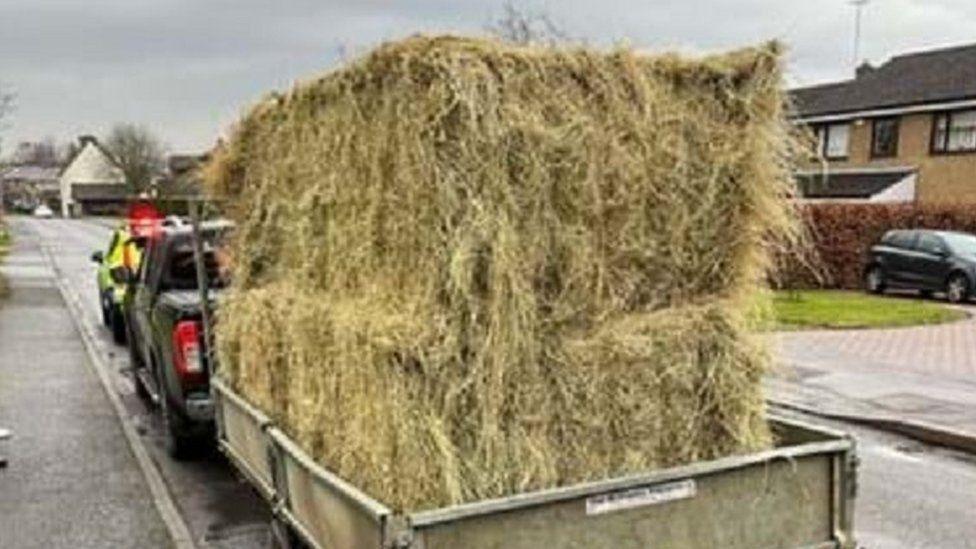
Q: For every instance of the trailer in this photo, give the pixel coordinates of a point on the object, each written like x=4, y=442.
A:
x=799, y=494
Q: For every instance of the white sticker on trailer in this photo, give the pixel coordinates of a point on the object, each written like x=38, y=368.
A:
x=640, y=497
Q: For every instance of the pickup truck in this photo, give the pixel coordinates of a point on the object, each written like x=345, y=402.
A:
x=166, y=337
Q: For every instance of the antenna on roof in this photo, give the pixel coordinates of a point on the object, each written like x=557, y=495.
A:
x=858, y=8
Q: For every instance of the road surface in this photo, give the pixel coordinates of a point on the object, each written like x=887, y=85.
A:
x=219, y=509
x=911, y=495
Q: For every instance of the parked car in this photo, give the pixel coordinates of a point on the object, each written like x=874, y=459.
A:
x=924, y=260
x=167, y=347
x=120, y=254
x=43, y=212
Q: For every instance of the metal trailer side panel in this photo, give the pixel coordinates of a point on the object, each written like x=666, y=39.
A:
x=799, y=494
x=777, y=504
x=241, y=435
x=325, y=510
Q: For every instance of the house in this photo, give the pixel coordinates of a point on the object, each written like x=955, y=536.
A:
x=92, y=182
x=25, y=186
x=904, y=131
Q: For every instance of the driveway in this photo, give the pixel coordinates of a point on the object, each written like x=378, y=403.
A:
x=945, y=350
x=919, y=379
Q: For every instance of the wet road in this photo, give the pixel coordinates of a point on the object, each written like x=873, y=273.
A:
x=219, y=509
x=911, y=495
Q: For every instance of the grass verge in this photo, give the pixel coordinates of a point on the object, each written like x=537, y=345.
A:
x=810, y=309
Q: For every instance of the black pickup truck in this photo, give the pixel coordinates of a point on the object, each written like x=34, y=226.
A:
x=166, y=338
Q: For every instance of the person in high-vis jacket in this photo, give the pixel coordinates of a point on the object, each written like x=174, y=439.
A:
x=117, y=264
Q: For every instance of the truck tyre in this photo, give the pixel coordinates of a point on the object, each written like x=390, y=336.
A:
x=957, y=288
x=118, y=326
x=178, y=443
x=135, y=365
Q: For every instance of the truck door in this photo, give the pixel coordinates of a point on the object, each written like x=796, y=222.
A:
x=142, y=302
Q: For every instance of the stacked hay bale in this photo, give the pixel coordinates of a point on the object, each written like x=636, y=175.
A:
x=466, y=269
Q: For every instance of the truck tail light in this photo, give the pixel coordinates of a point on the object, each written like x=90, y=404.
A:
x=187, y=355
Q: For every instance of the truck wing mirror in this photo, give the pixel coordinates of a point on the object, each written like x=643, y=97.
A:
x=97, y=257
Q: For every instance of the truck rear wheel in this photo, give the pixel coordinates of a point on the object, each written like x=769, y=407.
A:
x=179, y=444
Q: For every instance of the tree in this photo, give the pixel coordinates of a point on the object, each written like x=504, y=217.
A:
x=138, y=153
x=6, y=107
x=521, y=27
x=36, y=153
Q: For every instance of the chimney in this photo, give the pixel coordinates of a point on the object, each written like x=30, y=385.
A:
x=86, y=139
x=864, y=69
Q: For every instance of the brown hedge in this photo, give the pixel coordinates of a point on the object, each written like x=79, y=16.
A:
x=841, y=234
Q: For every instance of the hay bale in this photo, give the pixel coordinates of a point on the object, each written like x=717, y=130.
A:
x=467, y=269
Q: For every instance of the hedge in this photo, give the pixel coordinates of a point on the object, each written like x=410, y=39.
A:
x=840, y=236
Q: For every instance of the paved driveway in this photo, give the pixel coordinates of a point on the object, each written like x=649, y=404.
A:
x=944, y=350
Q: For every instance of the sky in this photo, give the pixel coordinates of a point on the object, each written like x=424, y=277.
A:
x=187, y=69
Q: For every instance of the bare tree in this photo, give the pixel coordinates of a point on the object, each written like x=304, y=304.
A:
x=36, y=153
x=138, y=152
x=521, y=27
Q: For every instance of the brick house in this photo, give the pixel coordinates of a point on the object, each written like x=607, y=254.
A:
x=904, y=131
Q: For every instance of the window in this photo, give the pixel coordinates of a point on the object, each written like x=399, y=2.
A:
x=832, y=140
x=899, y=239
x=960, y=243
x=930, y=244
x=884, y=138
x=954, y=132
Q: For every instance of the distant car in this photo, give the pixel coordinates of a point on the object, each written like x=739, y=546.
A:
x=923, y=260
x=43, y=212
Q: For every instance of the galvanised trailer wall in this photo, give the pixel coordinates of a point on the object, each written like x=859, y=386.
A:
x=800, y=494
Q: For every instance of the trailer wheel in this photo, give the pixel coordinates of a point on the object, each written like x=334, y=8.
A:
x=283, y=537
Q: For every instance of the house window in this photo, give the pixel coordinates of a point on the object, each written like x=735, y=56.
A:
x=954, y=132
x=833, y=140
x=884, y=138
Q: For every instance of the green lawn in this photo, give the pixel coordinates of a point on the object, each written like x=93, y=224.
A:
x=795, y=310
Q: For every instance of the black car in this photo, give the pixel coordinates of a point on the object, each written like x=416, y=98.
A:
x=923, y=260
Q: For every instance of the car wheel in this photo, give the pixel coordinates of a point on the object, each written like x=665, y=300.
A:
x=118, y=326
x=874, y=280
x=106, y=311
x=178, y=443
x=957, y=289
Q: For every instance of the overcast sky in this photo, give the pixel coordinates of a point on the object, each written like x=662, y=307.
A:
x=187, y=68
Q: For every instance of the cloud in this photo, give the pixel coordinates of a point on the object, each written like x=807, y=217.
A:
x=187, y=68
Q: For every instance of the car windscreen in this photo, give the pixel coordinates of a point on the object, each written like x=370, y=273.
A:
x=960, y=244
